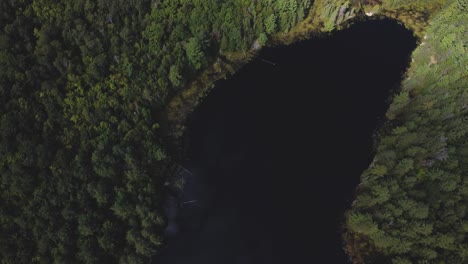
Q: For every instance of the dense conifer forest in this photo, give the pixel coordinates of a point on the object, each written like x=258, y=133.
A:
x=84, y=89
x=412, y=202
x=83, y=166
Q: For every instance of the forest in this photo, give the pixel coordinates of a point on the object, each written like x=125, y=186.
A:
x=84, y=165
x=411, y=205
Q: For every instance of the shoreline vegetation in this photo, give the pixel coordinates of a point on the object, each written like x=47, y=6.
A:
x=103, y=90
x=410, y=204
x=359, y=244
x=318, y=23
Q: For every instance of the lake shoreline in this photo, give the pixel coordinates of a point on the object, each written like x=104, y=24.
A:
x=262, y=94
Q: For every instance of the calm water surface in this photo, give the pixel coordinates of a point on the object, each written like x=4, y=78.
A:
x=276, y=151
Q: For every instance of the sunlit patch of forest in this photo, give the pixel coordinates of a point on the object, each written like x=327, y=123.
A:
x=84, y=166
x=411, y=205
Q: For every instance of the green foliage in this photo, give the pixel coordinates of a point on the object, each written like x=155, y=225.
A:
x=401, y=261
x=398, y=104
x=270, y=24
x=82, y=160
x=334, y=12
x=414, y=4
x=262, y=39
x=416, y=190
x=174, y=76
x=194, y=53
x=82, y=87
x=362, y=224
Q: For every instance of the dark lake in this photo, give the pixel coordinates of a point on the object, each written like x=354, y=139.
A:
x=276, y=152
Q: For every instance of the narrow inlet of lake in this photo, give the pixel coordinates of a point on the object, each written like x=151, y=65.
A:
x=277, y=150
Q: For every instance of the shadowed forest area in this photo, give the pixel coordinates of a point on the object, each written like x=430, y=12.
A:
x=82, y=158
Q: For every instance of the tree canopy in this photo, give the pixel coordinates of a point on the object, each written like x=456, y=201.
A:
x=411, y=206
x=83, y=165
